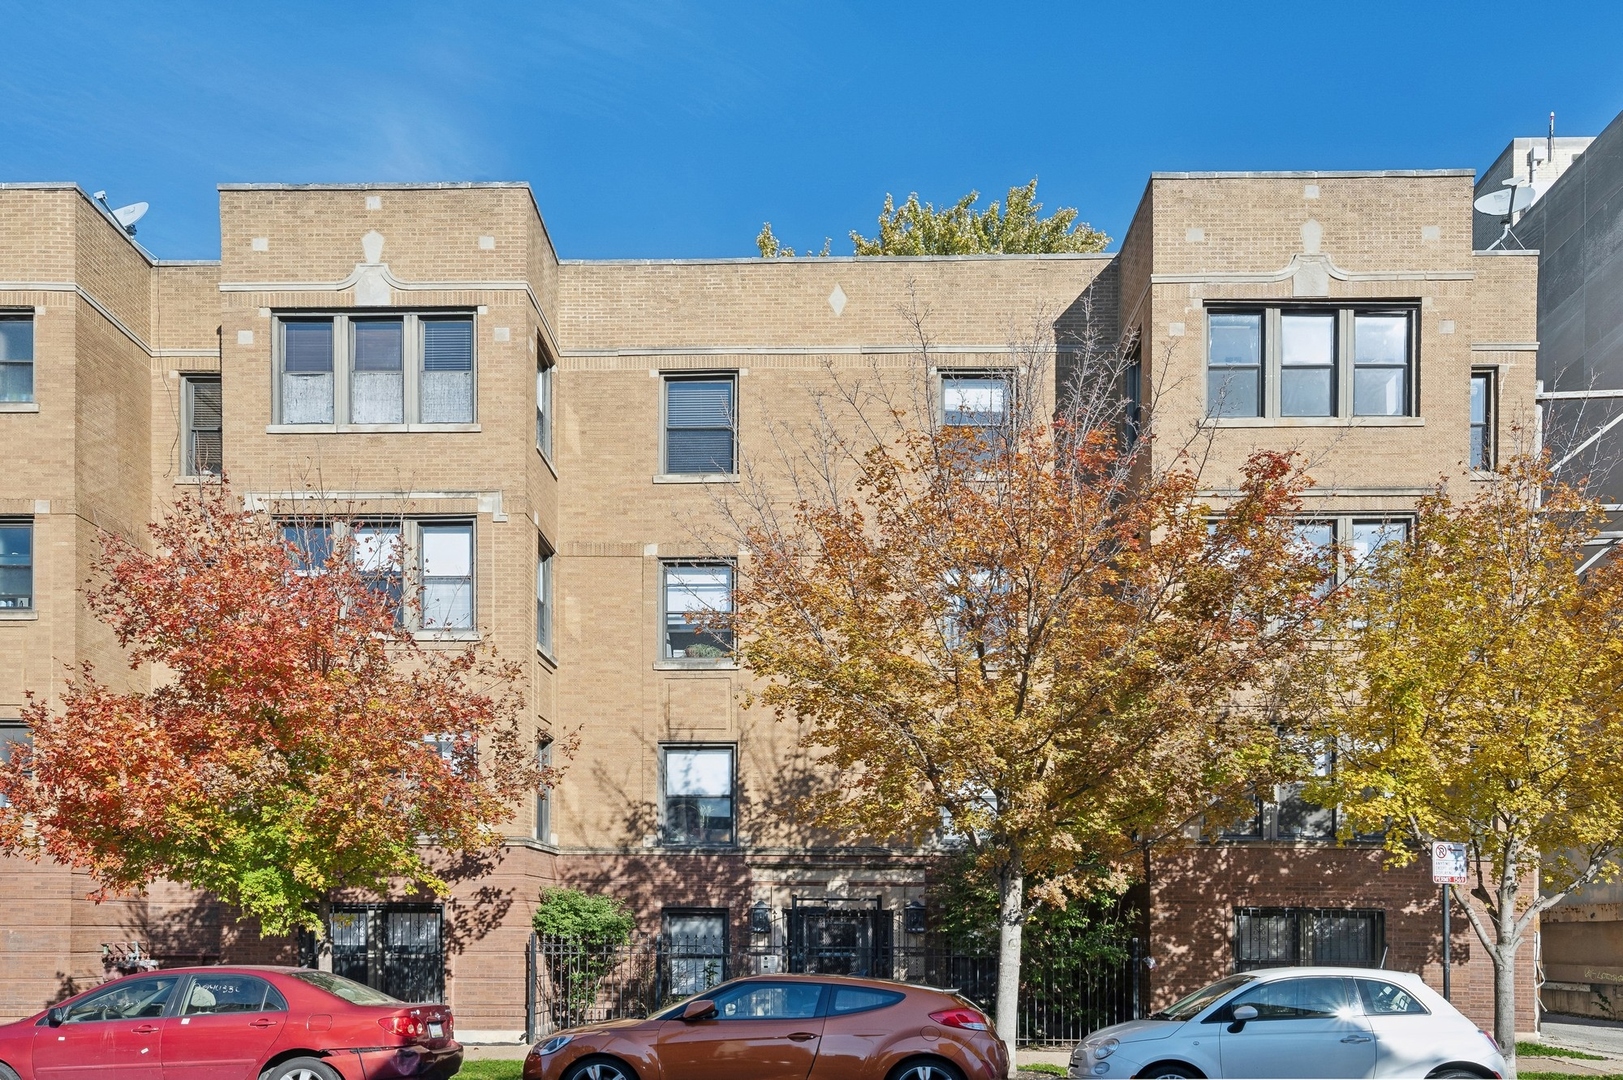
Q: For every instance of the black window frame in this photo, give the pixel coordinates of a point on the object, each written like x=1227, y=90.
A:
x=696, y=838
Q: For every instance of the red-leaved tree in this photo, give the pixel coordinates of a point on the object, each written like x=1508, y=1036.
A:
x=298, y=741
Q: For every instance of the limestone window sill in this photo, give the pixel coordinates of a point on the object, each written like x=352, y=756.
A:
x=700, y=664
x=370, y=429
x=697, y=478
x=546, y=657
x=1315, y=421
x=446, y=635
x=196, y=481
x=19, y=406
x=30, y=615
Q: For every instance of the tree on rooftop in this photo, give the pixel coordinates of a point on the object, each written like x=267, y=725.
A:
x=1014, y=227
x=1473, y=696
x=300, y=742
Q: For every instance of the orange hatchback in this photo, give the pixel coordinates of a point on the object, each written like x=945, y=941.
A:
x=786, y=1027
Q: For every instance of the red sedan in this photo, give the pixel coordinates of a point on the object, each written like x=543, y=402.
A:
x=231, y=1023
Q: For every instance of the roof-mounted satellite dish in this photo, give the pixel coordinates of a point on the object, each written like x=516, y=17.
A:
x=127, y=216
x=1513, y=198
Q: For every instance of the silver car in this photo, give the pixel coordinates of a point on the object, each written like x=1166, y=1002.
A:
x=1297, y=1022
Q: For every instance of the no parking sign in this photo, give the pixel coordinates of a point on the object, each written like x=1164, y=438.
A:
x=1447, y=863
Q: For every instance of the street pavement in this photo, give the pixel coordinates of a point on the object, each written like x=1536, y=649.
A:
x=1584, y=1033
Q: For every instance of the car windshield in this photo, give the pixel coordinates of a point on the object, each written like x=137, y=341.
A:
x=1187, y=1008
x=351, y=991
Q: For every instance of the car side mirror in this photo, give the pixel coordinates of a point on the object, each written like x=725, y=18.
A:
x=698, y=1010
x=56, y=1016
x=1241, y=1016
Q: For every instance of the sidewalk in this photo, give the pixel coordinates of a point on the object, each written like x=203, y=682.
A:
x=1590, y=1035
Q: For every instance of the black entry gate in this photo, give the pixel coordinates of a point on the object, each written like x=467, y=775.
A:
x=396, y=948
x=841, y=937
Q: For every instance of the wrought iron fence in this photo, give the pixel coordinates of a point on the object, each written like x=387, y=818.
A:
x=1062, y=998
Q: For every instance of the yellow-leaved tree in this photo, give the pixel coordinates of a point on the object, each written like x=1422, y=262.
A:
x=1472, y=690
x=1011, y=634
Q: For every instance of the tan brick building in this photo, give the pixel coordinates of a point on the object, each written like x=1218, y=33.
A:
x=549, y=440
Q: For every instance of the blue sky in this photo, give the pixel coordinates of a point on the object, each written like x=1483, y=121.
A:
x=673, y=129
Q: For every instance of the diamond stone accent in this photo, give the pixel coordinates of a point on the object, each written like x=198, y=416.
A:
x=836, y=300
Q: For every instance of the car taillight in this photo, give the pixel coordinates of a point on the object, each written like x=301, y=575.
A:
x=407, y=1027
x=968, y=1019
x=1493, y=1042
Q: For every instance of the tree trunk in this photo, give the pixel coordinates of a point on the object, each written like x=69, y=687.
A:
x=1010, y=924
x=1504, y=1004
x=324, y=936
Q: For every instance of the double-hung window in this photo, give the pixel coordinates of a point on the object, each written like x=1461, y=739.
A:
x=701, y=424
x=375, y=369
x=1234, y=364
x=1288, y=362
x=307, y=371
x=543, y=402
x=1482, y=417
x=380, y=557
x=697, y=598
x=978, y=404
x=698, y=795
x=543, y=796
x=311, y=544
x=544, y=603
x=16, y=564
x=16, y=357
x=377, y=376
x=13, y=734
x=201, y=448
x=445, y=551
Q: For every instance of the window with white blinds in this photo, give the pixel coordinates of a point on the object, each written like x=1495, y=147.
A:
x=201, y=444
x=16, y=357
x=375, y=370
x=701, y=424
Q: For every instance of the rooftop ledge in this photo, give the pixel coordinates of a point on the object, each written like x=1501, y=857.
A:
x=820, y=260
x=1352, y=174
x=434, y=186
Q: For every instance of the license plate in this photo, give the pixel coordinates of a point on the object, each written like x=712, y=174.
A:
x=436, y=1030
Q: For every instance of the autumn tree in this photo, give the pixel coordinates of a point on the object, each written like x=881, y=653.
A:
x=1015, y=226
x=1009, y=634
x=299, y=741
x=1472, y=695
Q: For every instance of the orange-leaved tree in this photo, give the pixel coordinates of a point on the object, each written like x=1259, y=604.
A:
x=1020, y=638
x=1472, y=695
x=298, y=741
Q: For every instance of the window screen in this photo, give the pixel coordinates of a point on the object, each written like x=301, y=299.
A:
x=699, y=425
x=447, y=377
x=377, y=384
x=307, y=371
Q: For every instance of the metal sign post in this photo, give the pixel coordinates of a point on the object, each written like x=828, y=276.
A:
x=1447, y=870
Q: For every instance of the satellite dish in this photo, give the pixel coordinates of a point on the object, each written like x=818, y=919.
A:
x=127, y=216
x=1511, y=199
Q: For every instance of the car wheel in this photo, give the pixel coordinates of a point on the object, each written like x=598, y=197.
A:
x=925, y=1070
x=600, y=1069
x=1456, y=1074
x=1170, y=1071
x=7, y=1073
x=303, y=1068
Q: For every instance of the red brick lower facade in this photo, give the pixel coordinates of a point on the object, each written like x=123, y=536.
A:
x=51, y=936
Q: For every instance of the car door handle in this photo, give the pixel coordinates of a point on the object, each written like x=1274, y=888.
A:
x=1358, y=1038
x=802, y=1036
x=145, y=1029
x=263, y=1022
